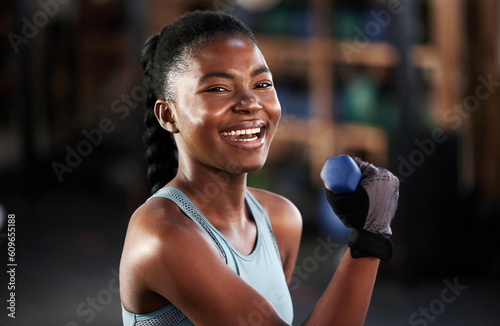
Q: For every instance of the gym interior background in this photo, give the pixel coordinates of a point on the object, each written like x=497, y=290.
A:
x=409, y=85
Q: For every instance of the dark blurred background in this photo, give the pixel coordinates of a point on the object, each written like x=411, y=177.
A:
x=413, y=86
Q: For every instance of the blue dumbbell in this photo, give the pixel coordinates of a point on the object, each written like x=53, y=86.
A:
x=340, y=174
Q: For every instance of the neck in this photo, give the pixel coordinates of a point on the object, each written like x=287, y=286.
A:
x=217, y=194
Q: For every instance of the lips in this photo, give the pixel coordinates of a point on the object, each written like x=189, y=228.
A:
x=244, y=135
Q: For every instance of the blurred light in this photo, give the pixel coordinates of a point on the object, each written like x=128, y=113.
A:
x=257, y=5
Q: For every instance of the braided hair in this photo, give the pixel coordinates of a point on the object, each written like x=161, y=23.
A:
x=164, y=58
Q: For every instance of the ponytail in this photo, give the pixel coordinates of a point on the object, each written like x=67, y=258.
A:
x=161, y=151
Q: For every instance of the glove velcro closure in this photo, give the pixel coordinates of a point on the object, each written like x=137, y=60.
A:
x=368, y=244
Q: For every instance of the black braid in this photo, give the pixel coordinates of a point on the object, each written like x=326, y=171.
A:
x=163, y=56
x=161, y=151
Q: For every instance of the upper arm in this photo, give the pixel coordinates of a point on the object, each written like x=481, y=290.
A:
x=286, y=222
x=182, y=265
x=201, y=285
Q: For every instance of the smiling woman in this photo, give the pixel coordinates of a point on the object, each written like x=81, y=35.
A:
x=205, y=249
x=228, y=89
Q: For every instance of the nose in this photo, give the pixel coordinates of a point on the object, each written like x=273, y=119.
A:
x=247, y=104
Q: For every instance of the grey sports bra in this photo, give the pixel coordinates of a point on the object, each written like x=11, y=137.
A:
x=261, y=269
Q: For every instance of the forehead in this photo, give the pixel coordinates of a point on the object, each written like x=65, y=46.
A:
x=228, y=53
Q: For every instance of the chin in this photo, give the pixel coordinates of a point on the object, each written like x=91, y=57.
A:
x=244, y=167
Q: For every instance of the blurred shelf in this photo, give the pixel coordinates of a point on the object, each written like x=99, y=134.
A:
x=278, y=49
x=325, y=138
x=311, y=56
x=425, y=57
x=381, y=55
x=366, y=54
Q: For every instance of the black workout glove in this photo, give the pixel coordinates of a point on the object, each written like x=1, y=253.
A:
x=368, y=211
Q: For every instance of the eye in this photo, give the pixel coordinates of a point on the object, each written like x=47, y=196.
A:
x=264, y=85
x=216, y=89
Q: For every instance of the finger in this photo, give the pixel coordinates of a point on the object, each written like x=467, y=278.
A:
x=365, y=167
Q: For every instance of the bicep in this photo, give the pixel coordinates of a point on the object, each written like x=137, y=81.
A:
x=196, y=280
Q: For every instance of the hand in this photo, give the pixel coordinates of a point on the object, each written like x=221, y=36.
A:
x=369, y=210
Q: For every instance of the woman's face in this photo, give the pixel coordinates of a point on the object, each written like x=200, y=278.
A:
x=227, y=109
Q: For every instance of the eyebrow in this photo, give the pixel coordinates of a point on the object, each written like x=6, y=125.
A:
x=225, y=75
x=216, y=74
x=260, y=70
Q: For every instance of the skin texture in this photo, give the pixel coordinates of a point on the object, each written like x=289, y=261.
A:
x=227, y=87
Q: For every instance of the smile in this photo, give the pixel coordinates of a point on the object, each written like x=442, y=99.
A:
x=243, y=135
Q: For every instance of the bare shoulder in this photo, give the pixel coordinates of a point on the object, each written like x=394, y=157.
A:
x=158, y=237
x=155, y=226
x=158, y=218
x=280, y=209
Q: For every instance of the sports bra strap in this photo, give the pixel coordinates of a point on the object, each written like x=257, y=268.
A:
x=263, y=212
x=187, y=206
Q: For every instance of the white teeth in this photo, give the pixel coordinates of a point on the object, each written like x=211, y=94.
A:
x=242, y=132
x=248, y=139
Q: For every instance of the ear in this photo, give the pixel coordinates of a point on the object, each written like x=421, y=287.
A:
x=166, y=116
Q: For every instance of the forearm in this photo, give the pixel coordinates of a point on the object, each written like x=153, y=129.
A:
x=347, y=298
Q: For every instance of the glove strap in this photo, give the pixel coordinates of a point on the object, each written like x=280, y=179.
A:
x=368, y=244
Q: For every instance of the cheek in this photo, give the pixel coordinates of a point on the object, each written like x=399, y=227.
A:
x=275, y=109
x=194, y=116
x=278, y=110
x=193, y=121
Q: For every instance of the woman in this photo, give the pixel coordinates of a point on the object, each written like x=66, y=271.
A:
x=205, y=249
